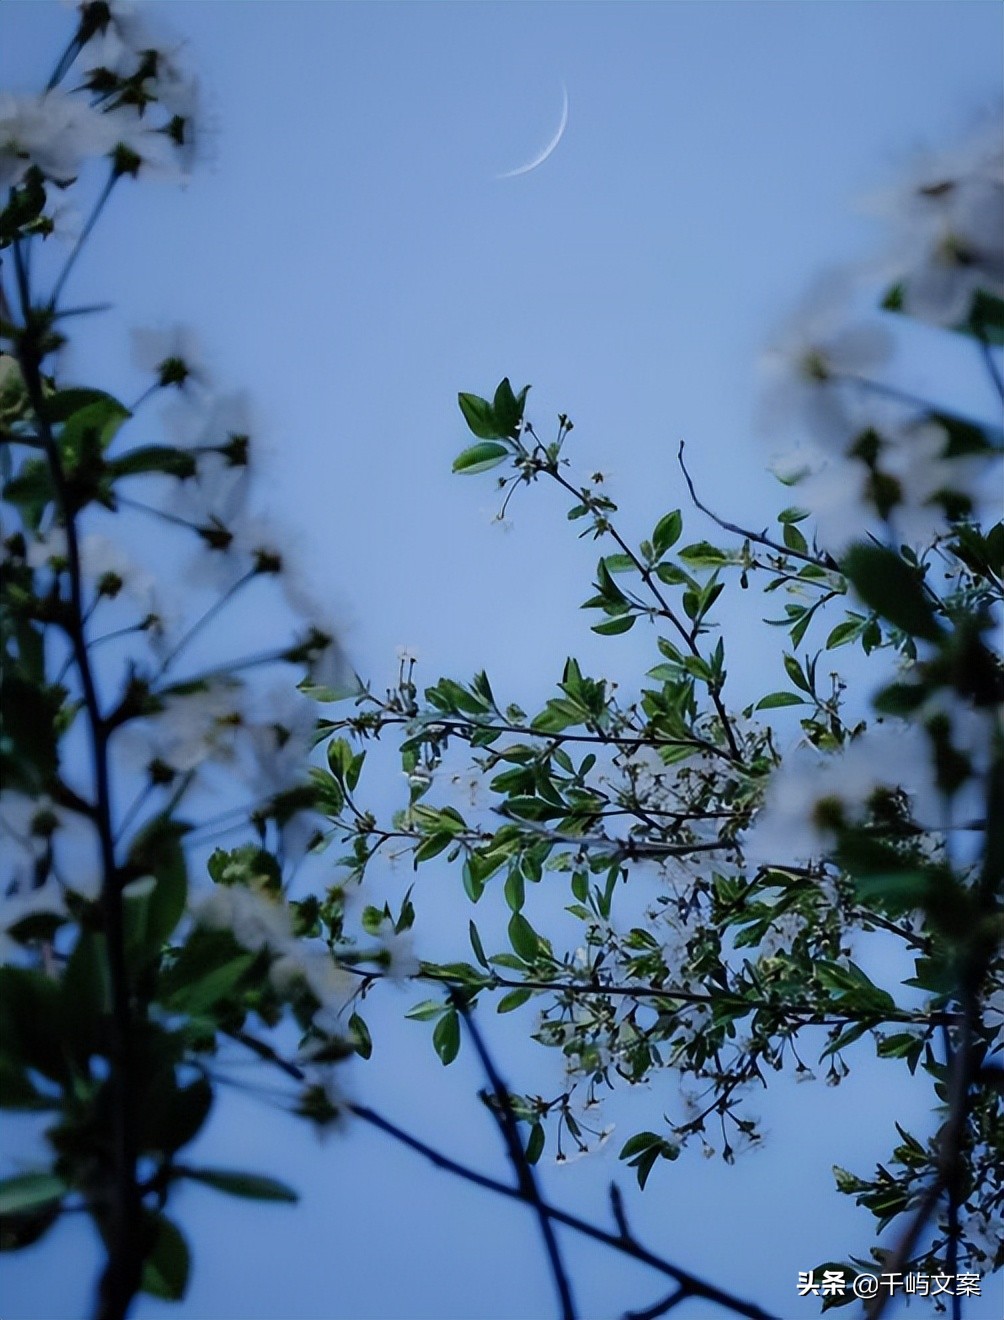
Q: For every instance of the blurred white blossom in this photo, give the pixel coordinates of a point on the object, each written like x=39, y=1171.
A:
x=814, y=366
x=812, y=793
x=56, y=132
x=947, y=217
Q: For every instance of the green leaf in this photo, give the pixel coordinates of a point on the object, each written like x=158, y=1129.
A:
x=535, y=1143
x=673, y=575
x=31, y=490
x=96, y=424
x=31, y=1021
x=480, y=417
x=775, y=699
x=794, y=539
x=252, y=1186
x=26, y=1191
x=362, y=1041
x=611, y=627
x=30, y=715
x=893, y=893
x=426, y=1010
x=639, y=1142
x=514, y=999
x=432, y=846
x=176, y=1117
x=667, y=532
x=891, y=588
x=474, y=881
x=900, y=698
x=794, y=671
x=479, y=458
x=508, y=407
x=446, y=1036
x=62, y=405
x=476, y=945
x=702, y=554
x=153, y=458
x=204, y=992
x=523, y=937
x=515, y=894
x=166, y=1269
x=843, y=633
x=619, y=563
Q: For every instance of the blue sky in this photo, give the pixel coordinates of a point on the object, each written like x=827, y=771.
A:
x=348, y=254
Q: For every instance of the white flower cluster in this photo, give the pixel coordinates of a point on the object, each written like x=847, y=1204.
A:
x=260, y=922
x=212, y=730
x=947, y=216
x=128, y=72
x=868, y=456
x=48, y=852
x=814, y=794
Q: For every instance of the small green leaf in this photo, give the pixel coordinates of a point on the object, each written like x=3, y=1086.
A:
x=619, y=563
x=251, y=1186
x=667, y=532
x=611, y=627
x=425, y=1011
x=523, y=937
x=480, y=457
x=843, y=633
x=362, y=1041
x=446, y=1036
x=476, y=945
x=165, y=1271
x=25, y=1191
x=515, y=894
x=794, y=539
x=508, y=407
x=535, y=1144
x=775, y=699
x=702, y=554
x=153, y=458
x=513, y=1000
x=480, y=417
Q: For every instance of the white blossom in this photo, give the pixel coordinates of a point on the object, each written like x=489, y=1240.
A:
x=36, y=832
x=901, y=477
x=255, y=921
x=55, y=132
x=277, y=745
x=125, y=26
x=397, y=956
x=811, y=791
x=145, y=150
x=263, y=923
x=948, y=222
x=815, y=365
x=781, y=934
x=332, y=986
x=192, y=729
x=174, y=354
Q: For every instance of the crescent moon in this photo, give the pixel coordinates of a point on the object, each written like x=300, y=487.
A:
x=552, y=144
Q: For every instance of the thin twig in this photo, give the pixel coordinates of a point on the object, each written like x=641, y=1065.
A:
x=625, y=1244
x=526, y=1180
x=760, y=538
x=662, y=1307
